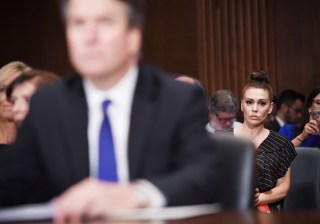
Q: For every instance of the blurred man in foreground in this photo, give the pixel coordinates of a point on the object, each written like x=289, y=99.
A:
x=118, y=135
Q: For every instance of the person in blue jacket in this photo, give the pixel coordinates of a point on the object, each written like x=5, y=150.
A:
x=307, y=134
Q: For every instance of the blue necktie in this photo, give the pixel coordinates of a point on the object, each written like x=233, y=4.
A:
x=107, y=161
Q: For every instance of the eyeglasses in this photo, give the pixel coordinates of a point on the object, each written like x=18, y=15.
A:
x=225, y=119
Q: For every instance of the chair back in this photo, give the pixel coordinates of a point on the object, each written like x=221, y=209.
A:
x=236, y=181
x=305, y=177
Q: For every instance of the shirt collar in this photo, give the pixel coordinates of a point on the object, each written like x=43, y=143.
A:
x=209, y=128
x=281, y=122
x=121, y=94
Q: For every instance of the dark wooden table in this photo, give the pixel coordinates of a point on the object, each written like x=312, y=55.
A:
x=303, y=217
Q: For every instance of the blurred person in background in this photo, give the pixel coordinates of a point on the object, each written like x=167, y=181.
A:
x=223, y=108
x=192, y=81
x=289, y=109
x=305, y=134
x=20, y=91
x=8, y=128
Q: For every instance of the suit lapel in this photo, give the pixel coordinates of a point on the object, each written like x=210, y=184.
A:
x=141, y=118
x=75, y=121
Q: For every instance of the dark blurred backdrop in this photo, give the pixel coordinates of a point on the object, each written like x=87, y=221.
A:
x=217, y=41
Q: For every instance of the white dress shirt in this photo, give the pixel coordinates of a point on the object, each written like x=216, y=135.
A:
x=281, y=122
x=119, y=113
x=211, y=130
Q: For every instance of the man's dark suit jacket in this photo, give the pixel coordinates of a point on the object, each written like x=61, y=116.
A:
x=168, y=144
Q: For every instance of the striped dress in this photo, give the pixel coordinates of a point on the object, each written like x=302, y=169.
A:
x=274, y=157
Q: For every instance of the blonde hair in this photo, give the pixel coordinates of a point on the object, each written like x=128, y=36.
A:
x=37, y=77
x=12, y=67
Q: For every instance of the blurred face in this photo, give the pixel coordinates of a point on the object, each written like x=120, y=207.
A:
x=20, y=98
x=255, y=106
x=222, y=120
x=100, y=43
x=5, y=105
x=294, y=112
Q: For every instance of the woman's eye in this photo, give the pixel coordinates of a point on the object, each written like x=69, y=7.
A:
x=263, y=103
x=3, y=89
x=317, y=102
x=248, y=102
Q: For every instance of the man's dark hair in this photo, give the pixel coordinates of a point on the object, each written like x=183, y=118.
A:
x=288, y=97
x=135, y=11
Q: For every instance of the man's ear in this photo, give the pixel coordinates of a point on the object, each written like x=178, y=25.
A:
x=135, y=40
x=210, y=116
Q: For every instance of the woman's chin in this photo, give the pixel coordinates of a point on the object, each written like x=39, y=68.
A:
x=7, y=115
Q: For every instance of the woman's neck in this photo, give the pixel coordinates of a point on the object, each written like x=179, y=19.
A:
x=8, y=131
x=254, y=134
x=252, y=131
